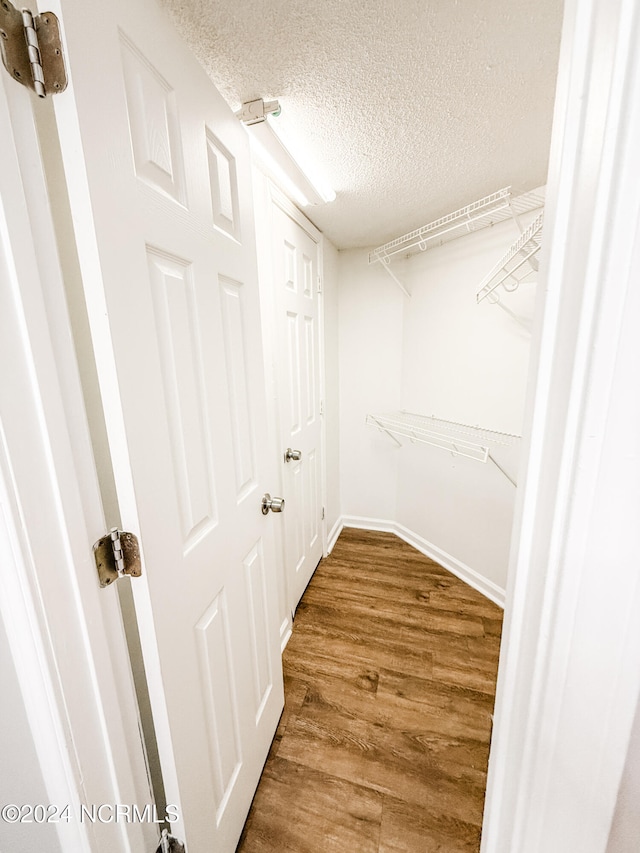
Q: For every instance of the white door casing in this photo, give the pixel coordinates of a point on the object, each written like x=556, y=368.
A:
x=162, y=207
x=64, y=634
x=569, y=676
x=297, y=283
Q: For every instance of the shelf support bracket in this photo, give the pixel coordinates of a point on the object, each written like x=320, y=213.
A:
x=516, y=218
x=511, y=313
x=500, y=468
x=383, y=429
x=387, y=268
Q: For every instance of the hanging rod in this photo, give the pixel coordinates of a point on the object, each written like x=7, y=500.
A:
x=517, y=263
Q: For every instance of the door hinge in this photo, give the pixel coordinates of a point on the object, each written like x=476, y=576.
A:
x=117, y=554
x=323, y=513
x=319, y=284
x=169, y=844
x=322, y=407
x=32, y=50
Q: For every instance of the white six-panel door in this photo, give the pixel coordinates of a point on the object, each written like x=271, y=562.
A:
x=159, y=180
x=297, y=282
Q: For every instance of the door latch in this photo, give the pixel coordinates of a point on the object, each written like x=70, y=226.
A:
x=273, y=504
x=117, y=554
x=296, y=455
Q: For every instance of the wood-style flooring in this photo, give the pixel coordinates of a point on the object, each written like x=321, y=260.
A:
x=389, y=688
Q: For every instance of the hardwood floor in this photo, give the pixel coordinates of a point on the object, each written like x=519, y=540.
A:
x=389, y=688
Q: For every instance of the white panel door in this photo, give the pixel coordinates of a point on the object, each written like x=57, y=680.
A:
x=159, y=181
x=297, y=280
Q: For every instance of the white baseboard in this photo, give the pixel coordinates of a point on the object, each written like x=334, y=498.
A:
x=336, y=530
x=488, y=588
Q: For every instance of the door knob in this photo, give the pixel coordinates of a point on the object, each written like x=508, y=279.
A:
x=292, y=454
x=273, y=504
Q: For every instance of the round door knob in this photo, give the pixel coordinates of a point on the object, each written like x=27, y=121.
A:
x=296, y=455
x=273, y=504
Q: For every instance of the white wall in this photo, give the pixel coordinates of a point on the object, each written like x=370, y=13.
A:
x=438, y=353
x=370, y=345
x=463, y=362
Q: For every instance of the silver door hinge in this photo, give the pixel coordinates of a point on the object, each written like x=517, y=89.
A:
x=169, y=844
x=117, y=554
x=322, y=407
x=323, y=513
x=32, y=50
x=319, y=284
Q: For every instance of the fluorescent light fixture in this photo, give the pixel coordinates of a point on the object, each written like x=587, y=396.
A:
x=284, y=168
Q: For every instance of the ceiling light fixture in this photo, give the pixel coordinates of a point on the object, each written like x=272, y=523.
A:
x=276, y=158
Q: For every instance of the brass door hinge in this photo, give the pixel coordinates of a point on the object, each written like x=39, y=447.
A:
x=117, y=554
x=32, y=50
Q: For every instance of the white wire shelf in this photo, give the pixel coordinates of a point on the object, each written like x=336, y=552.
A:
x=462, y=221
x=518, y=263
x=459, y=439
x=487, y=211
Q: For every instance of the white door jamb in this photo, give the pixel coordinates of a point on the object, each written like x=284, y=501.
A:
x=569, y=675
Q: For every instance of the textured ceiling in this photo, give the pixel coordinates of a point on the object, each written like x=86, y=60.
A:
x=410, y=108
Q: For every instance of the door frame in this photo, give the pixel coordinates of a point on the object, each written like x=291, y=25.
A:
x=569, y=674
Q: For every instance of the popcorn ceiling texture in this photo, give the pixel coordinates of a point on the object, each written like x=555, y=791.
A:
x=409, y=108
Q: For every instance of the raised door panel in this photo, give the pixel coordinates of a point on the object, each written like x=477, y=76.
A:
x=256, y=586
x=221, y=700
x=310, y=378
x=239, y=385
x=312, y=513
x=153, y=124
x=293, y=371
x=224, y=187
x=183, y=373
x=295, y=546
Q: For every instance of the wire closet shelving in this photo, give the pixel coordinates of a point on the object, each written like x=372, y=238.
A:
x=459, y=439
x=518, y=263
x=496, y=207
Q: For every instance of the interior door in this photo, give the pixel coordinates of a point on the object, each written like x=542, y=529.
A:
x=158, y=174
x=297, y=283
